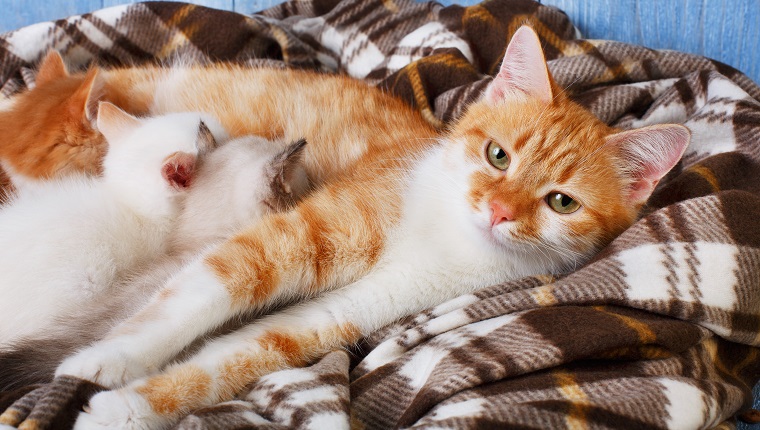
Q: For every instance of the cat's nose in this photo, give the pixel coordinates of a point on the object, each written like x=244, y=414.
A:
x=500, y=213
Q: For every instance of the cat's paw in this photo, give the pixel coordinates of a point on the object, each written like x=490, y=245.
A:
x=107, y=366
x=119, y=409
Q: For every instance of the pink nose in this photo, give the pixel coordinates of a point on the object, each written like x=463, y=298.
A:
x=500, y=213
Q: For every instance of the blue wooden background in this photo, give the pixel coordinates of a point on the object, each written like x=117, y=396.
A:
x=726, y=30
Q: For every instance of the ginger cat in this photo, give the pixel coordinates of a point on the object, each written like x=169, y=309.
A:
x=49, y=130
x=526, y=182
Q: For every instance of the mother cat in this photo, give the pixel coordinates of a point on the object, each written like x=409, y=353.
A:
x=526, y=182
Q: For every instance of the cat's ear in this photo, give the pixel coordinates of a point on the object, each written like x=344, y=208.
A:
x=114, y=123
x=289, y=177
x=85, y=100
x=51, y=68
x=649, y=154
x=205, y=141
x=179, y=169
x=523, y=70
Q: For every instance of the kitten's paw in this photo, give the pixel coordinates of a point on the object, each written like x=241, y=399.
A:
x=107, y=366
x=119, y=409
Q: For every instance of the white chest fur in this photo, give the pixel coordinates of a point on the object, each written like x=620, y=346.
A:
x=437, y=243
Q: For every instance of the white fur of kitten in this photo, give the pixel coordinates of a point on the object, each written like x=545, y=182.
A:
x=236, y=184
x=69, y=240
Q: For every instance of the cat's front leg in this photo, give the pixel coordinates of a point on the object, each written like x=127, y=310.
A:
x=191, y=303
x=107, y=363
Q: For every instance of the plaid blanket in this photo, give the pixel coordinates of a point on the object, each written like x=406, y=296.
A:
x=661, y=330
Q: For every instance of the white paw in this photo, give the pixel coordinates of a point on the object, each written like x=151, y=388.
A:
x=108, y=365
x=119, y=409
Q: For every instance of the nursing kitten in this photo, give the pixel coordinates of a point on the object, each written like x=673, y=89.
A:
x=65, y=242
x=236, y=184
x=526, y=182
x=48, y=130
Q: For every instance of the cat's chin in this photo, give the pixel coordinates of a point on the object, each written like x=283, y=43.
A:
x=499, y=237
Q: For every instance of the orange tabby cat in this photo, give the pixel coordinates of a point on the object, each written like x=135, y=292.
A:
x=526, y=182
x=49, y=130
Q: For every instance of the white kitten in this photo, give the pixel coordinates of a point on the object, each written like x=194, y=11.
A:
x=233, y=186
x=67, y=241
x=241, y=182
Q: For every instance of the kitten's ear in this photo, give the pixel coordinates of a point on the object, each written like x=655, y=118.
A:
x=50, y=69
x=522, y=71
x=179, y=169
x=85, y=100
x=649, y=153
x=289, y=177
x=205, y=141
x=114, y=123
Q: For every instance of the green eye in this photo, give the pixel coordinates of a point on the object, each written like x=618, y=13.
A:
x=497, y=156
x=562, y=203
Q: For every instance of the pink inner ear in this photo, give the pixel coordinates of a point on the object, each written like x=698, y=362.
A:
x=178, y=169
x=523, y=69
x=113, y=122
x=651, y=152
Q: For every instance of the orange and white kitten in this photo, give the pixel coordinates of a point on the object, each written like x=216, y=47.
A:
x=526, y=182
x=68, y=241
x=48, y=131
x=235, y=185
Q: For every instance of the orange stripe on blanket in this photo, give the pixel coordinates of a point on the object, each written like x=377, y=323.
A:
x=707, y=175
x=544, y=296
x=644, y=332
x=31, y=425
x=571, y=391
x=11, y=417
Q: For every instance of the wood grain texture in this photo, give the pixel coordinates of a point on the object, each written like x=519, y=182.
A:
x=252, y=6
x=725, y=30
x=218, y=4
x=18, y=13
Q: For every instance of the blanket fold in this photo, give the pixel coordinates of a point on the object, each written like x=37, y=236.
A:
x=660, y=330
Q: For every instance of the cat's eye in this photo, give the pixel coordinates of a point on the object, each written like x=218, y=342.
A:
x=562, y=203
x=497, y=156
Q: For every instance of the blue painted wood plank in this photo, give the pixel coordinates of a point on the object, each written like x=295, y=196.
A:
x=252, y=6
x=725, y=30
x=19, y=13
x=217, y=4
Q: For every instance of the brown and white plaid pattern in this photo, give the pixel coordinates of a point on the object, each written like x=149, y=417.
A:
x=661, y=330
